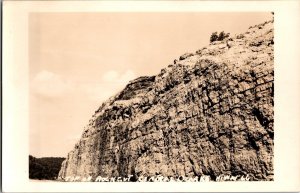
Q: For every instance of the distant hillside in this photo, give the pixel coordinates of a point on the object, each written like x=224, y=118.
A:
x=44, y=168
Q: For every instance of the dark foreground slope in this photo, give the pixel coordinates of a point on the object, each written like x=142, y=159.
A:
x=45, y=168
x=211, y=113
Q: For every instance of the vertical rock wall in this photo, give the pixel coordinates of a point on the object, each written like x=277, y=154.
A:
x=210, y=113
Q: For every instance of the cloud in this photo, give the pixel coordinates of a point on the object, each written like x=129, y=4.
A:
x=49, y=84
x=100, y=92
x=127, y=76
x=110, y=76
x=112, y=83
x=113, y=76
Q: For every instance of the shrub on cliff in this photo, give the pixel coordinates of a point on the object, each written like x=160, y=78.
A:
x=215, y=37
x=223, y=35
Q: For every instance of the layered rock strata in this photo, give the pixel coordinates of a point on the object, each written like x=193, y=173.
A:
x=209, y=113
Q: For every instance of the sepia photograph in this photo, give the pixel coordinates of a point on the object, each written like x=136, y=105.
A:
x=112, y=95
x=151, y=96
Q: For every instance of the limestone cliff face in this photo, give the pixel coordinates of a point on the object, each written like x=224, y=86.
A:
x=210, y=113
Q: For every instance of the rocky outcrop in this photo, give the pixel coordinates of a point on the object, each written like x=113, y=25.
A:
x=210, y=113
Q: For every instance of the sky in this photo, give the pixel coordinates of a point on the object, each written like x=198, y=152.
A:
x=79, y=60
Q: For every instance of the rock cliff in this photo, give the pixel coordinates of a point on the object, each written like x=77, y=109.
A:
x=209, y=113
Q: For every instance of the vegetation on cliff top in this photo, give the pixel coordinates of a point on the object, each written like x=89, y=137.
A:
x=215, y=37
